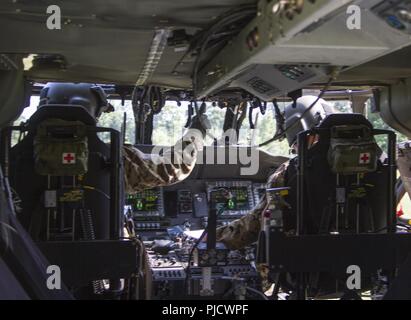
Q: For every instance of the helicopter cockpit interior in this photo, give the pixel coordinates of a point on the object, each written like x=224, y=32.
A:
x=68, y=220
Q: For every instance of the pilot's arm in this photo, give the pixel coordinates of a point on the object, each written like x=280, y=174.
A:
x=245, y=231
x=144, y=171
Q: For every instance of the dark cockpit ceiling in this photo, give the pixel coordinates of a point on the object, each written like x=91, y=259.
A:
x=386, y=69
x=107, y=41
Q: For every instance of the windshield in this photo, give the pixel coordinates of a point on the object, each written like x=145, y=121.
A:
x=169, y=124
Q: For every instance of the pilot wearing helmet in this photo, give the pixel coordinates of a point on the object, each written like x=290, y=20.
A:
x=142, y=171
x=299, y=116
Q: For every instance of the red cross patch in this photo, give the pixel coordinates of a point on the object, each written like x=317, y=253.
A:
x=365, y=158
x=69, y=158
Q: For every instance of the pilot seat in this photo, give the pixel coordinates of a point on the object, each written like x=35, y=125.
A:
x=340, y=212
x=69, y=187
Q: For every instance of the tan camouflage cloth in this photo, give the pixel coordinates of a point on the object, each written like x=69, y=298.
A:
x=245, y=231
x=145, y=171
x=404, y=164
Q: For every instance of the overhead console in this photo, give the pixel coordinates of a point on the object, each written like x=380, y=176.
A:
x=396, y=13
x=278, y=52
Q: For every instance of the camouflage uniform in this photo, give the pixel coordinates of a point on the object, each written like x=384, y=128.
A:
x=145, y=171
x=404, y=164
x=245, y=231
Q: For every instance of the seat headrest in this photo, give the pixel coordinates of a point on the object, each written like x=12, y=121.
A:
x=64, y=112
x=339, y=119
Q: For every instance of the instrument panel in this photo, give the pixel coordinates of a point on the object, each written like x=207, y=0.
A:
x=159, y=208
x=241, y=201
x=162, y=216
x=146, y=203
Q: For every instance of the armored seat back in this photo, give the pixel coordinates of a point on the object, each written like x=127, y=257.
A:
x=66, y=177
x=341, y=183
x=342, y=191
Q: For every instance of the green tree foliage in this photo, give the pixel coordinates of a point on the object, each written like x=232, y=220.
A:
x=378, y=123
x=115, y=120
x=168, y=127
x=265, y=129
x=169, y=124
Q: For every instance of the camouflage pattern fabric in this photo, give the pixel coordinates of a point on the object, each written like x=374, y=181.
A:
x=404, y=164
x=245, y=231
x=57, y=155
x=145, y=171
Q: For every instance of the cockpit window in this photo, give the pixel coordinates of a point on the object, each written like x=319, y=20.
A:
x=25, y=115
x=169, y=124
x=378, y=123
x=265, y=127
x=343, y=106
x=115, y=120
x=27, y=112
